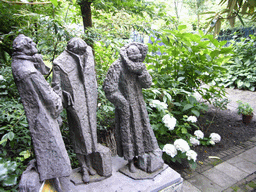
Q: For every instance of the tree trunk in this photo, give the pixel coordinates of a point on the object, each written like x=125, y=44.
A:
x=86, y=13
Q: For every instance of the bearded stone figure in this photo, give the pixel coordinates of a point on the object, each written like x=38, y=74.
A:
x=74, y=80
x=123, y=87
x=42, y=107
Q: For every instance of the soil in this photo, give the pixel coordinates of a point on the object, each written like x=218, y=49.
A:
x=228, y=124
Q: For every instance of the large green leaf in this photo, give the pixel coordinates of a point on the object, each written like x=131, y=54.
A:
x=187, y=106
x=10, y=180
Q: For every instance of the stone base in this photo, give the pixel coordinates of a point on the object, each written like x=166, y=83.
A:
x=140, y=175
x=168, y=181
x=76, y=177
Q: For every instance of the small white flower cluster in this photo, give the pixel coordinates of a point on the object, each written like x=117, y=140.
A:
x=170, y=149
x=1, y=78
x=192, y=119
x=180, y=145
x=194, y=141
x=192, y=155
x=169, y=121
x=215, y=138
x=199, y=134
x=157, y=103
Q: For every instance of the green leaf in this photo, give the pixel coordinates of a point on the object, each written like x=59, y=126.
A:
x=195, y=112
x=181, y=78
x=239, y=83
x=25, y=154
x=247, y=84
x=187, y=106
x=10, y=180
x=184, y=130
x=54, y=2
x=181, y=27
x=10, y=136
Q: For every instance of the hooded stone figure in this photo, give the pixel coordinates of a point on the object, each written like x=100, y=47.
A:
x=123, y=87
x=42, y=107
x=74, y=80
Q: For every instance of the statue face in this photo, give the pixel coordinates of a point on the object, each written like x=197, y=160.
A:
x=29, y=47
x=133, y=53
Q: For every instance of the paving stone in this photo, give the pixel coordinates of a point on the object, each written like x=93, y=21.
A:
x=219, y=178
x=249, y=155
x=231, y=171
x=242, y=164
x=204, y=184
x=188, y=187
x=228, y=190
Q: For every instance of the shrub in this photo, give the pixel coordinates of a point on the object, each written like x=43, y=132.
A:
x=241, y=69
x=179, y=66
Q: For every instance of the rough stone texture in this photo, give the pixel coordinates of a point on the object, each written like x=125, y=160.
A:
x=42, y=107
x=102, y=161
x=74, y=80
x=76, y=177
x=123, y=87
x=151, y=161
x=140, y=174
x=119, y=182
x=30, y=179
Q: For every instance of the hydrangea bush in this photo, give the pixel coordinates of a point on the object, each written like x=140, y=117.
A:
x=177, y=138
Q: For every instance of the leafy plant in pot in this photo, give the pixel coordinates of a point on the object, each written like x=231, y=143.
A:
x=246, y=110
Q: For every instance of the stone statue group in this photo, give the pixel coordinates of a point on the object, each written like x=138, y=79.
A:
x=74, y=88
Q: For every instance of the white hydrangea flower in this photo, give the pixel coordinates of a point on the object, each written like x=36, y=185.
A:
x=199, y=134
x=155, y=103
x=169, y=121
x=182, y=145
x=194, y=141
x=192, y=119
x=215, y=137
x=170, y=149
x=191, y=155
x=1, y=78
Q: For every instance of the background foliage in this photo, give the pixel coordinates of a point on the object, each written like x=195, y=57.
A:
x=180, y=60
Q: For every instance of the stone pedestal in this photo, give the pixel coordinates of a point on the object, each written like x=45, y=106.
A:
x=168, y=181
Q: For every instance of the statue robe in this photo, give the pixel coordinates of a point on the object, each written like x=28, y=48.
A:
x=42, y=107
x=133, y=133
x=74, y=79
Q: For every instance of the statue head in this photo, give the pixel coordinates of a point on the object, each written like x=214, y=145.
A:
x=77, y=46
x=25, y=45
x=133, y=53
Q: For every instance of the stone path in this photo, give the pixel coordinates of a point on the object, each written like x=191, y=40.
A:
x=234, y=169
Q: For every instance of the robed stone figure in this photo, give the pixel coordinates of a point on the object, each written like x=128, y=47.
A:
x=123, y=87
x=74, y=80
x=42, y=107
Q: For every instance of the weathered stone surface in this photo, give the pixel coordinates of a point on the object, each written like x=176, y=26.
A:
x=101, y=161
x=168, y=180
x=77, y=177
x=74, y=80
x=151, y=162
x=42, y=106
x=123, y=87
x=30, y=179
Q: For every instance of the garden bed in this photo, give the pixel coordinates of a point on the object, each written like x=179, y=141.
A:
x=228, y=124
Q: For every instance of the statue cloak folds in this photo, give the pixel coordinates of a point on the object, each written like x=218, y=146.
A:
x=42, y=107
x=133, y=133
x=77, y=86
